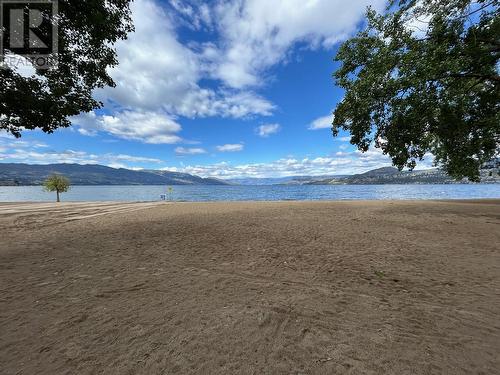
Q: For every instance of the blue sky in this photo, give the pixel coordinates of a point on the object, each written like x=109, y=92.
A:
x=239, y=88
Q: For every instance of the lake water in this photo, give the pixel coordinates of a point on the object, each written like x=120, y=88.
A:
x=253, y=193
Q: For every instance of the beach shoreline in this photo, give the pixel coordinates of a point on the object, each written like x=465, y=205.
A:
x=282, y=287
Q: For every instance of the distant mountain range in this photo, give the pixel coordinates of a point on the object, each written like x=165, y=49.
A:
x=90, y=174
x=379, y=176
x=391, y=175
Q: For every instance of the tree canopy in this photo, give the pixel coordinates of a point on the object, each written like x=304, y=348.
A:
x=57, y=183
x=424, y=78
x=87, y=31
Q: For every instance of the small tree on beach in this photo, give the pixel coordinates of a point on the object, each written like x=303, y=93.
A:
x=57, y=183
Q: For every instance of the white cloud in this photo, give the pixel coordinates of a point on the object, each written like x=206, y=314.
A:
x=161, y=78
x=267, y=129
x=134, y=159
x=154, y=68
x=324, y=122
x=257, y=34
x=147, y=127
x=9, y=141
x=230, y=147
x=156, y=72
x=345, y=163
x=35, y=152
x=164, y=78
x=21, y=155
x=194, y=16
x=342, y=163
x=189, y=151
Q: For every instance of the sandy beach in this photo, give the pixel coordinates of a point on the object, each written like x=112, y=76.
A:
x=250, y=288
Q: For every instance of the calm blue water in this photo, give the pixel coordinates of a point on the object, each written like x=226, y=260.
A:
x=253, y=193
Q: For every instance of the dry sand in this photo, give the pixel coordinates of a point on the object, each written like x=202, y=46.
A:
x=250, y=288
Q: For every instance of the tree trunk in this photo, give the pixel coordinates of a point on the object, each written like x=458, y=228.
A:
x=57, y=191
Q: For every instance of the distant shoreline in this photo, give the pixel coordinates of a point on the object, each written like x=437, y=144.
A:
x=243, y=185
x=15, y=174
x=222, y=193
